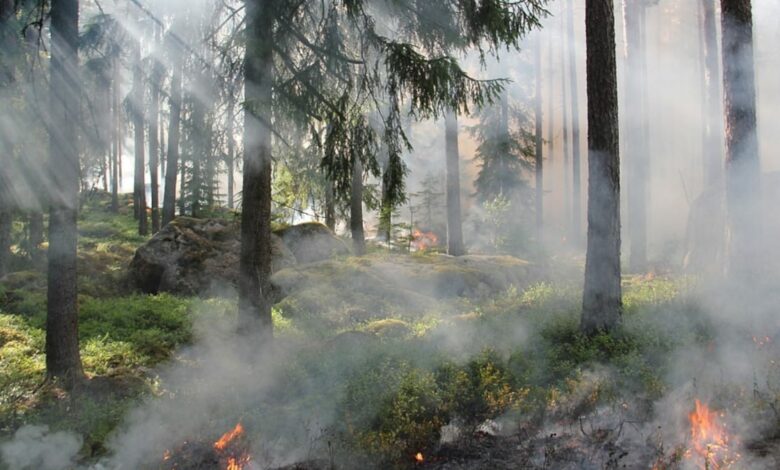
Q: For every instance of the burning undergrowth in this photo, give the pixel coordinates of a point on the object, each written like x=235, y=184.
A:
x=493, y=384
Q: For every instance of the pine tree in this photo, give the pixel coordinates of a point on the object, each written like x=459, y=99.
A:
x=743, y=167
x=602, y=300
x=63, y=360
x=347, y=63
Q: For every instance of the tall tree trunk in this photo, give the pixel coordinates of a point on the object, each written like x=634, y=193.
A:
x=452, y=154
x=63, y=360
x=637, y=164
x=254, y=287
x=743, y=167
x=713, y=98
x=7, y=77
x=116, y=136
x=139, y=184
x=154, y=144
x=551, y=99
x=576, y=211
x=154, y=141
x=386, y=208
x=330, y=206
x=567, y=194
x=174, y=129
x=230, y=161
x=601, y=301
x=539, y=142
x=211, y=183
x=35, y=235
x=356, y=210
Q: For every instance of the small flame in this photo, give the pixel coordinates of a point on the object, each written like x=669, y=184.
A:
x=710, y=439
x=167, y=454
x=419, y=457
x=422, y=241
x=226, y=438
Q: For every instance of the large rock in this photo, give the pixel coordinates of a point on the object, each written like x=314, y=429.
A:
x=312, y=241
x=195, y=257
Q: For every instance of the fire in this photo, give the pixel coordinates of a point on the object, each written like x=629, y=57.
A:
x=710, y=439
x=233, y=462
x=419, y=457
x=226, y=438
x=424, y=240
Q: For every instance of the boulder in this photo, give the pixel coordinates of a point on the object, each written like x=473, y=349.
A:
x=311, y=242
x=194, y=257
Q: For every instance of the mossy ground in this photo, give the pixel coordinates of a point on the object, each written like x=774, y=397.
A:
x=395, y=366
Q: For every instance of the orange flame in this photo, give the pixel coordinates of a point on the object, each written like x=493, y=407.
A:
x=423, y=240
x=226, y=438
x=419, y=457
x=710, y=439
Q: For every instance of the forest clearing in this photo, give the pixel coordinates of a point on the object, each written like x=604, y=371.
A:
x=391, y=234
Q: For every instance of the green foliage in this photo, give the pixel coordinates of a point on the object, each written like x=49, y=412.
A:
x=482, y=388
x=393, y=410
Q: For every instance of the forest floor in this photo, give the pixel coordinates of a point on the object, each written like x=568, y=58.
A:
x=368, y=373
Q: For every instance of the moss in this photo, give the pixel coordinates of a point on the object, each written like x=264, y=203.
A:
x=389, y=328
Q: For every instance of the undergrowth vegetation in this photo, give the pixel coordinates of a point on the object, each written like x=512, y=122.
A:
x=386, y=381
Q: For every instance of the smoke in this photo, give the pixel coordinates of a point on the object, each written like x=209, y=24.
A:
x=35, y=447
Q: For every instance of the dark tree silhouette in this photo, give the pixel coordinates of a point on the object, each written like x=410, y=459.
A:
x=452, y=155
x=601, y=301
x=63, y=360
x=743, y=168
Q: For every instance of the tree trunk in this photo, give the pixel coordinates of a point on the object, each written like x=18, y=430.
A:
x=356, y=210
x=452, y=154
x=551, y=100
x=576, y=211
x=637, y=159
x=199, y=143
x=154, y=144
x=743, y=166
x=174, y=129
x=116, y=139
x=7, y=73
x=567, y=194
x=35, y=235
x=539, y=142
x=139, y=185
x=713, y=104
x=330, y=206
x=254, y=287
x=386, y=208
x=63, y=360
x=602, y=303
x=230, y=162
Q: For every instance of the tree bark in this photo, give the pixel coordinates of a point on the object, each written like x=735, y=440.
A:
x=356, y=210
x=174, y=129
x=230, y=162
x=63, y=360
x=567, y=194
x=602, y=302
x=139, y=184
x=116, y=137
x=7, y=72
x=576, y=211
x=254, y=287
x=713, y=98
x=636, y=142
x=452, y=154
x=330, y=206
x=539, y=142
x=743, y=167
x=154, y=143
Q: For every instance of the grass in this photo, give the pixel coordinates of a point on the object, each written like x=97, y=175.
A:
x=390, y=367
